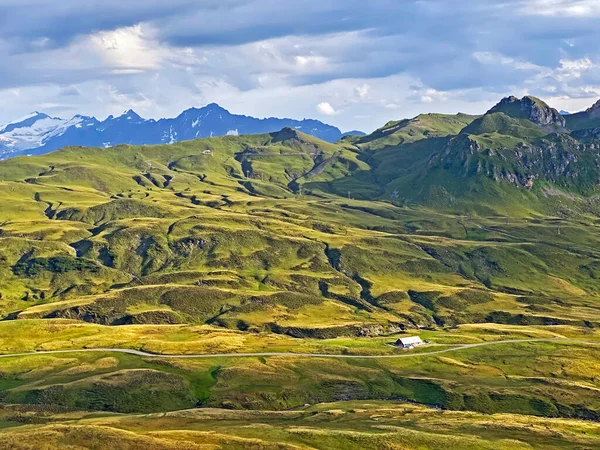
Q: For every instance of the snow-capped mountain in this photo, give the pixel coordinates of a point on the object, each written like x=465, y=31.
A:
x=39, y=133
x=32, y=131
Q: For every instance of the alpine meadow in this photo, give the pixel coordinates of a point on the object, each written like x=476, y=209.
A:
x=217, y=280
x=291, y=265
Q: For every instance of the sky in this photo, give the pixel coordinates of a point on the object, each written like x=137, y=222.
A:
x=351, y=63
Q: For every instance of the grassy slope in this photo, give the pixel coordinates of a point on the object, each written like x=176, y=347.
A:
x=177, y=248
x=543, y=379
x=343, y=425
x=251, y=247
x=424, y=126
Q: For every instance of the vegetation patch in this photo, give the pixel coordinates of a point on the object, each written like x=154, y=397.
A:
x=57, y=264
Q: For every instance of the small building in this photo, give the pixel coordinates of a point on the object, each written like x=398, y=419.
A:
x=208, y=151
x=409, y=342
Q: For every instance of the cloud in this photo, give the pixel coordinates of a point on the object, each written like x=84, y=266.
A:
x=362, y=91
x=563, y=8
x=263, y=57
x=127, y=50
x=570, y=69
x=431, y=96
x=326, y=109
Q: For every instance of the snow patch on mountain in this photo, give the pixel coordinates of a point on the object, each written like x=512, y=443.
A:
x=38, y=133
x=33, y=131
x=22, y=120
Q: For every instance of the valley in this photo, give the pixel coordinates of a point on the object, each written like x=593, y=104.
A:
x=280, y=269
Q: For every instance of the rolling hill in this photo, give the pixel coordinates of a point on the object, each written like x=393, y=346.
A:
x=462, y=229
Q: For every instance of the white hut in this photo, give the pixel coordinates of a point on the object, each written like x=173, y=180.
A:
x=409, y=342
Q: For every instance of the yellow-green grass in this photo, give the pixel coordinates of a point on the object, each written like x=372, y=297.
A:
x=60, y=334
x=343, y=425
x=387, y=263
x=205, y=257
x=553, y=378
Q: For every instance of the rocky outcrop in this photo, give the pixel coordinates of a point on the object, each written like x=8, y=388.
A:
x=530, y=108
x=560, y=158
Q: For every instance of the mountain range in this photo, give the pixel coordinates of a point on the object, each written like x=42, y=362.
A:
x=459, y=228
x=38, y=133
x=520, y=154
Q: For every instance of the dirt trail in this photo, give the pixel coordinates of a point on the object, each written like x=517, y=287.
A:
x=456, y=348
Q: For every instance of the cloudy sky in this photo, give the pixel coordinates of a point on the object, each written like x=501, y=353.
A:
x=341, y=61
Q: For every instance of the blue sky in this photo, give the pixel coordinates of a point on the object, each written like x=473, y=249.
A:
x=346, y=62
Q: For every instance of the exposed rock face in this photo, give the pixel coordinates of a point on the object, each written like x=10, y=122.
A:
x=557, y=158
x=530, y=108
x=529, y=183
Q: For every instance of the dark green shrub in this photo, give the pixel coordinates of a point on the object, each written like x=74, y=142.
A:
x=56, y=264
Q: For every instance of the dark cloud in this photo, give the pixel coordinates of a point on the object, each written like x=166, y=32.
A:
x=24, y=21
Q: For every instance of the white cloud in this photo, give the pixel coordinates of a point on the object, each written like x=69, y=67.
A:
x=574, y=68
x=326, y=109
x=362, y=91
x=310, y=62
x=135, y=49
x=155, y=96
x=431, y=95
x=374, y=65
x=562, y=8
x=495, y=58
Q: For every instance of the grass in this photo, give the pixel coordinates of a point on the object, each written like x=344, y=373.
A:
x=554, y=379
x=283, y=243
x=347, y=425
x=502, y=124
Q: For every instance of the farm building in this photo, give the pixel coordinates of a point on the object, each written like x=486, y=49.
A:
x=409, y=342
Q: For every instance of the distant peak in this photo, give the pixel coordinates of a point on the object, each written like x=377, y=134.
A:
x=36, y=115
x=354, y=133
x=289, y=131
x=215, y=107
x=210, y=108
x=288, y=134
x=82, y=117
x=130, y=113
x=530, y=108
x=532, y=98
x=595, y=106
x=25, y=121
x=528, y=99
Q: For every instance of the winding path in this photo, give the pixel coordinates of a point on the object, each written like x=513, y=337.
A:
x=456, y=348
